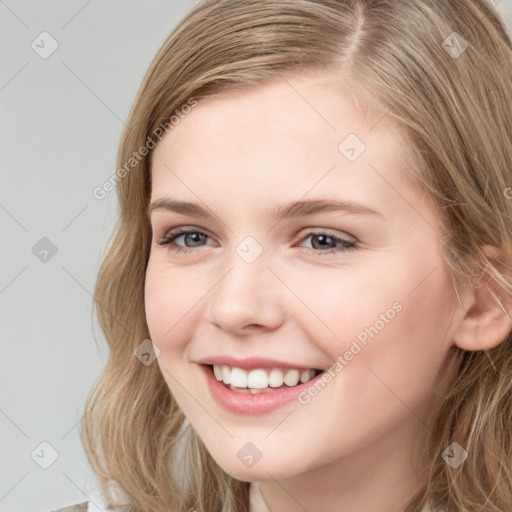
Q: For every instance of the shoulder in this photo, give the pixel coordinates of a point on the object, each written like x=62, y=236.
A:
x=77, y=507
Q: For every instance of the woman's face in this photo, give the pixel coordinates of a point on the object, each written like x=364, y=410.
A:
x=359, y=291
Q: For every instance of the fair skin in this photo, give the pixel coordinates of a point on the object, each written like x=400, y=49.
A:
x=351, y=448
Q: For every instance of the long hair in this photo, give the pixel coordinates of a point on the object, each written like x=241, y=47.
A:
x=442, y=71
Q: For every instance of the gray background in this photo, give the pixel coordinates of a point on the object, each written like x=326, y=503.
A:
x=61, y=119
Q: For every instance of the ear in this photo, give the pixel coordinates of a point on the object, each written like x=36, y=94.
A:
x=486, y=322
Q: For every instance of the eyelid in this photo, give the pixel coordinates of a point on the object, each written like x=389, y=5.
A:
x=311, y=230
x=183, y=230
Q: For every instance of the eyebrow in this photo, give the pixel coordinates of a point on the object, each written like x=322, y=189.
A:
x=282, y=211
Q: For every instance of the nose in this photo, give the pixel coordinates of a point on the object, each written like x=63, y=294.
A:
x=248, y=298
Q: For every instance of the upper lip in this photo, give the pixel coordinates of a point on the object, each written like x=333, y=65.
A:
x=249, y=363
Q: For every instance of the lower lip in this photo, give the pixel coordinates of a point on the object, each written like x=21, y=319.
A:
x=252, y=403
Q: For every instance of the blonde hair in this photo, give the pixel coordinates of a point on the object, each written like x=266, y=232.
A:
x=454, y=107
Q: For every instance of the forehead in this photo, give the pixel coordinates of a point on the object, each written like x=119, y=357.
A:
x=284, y=138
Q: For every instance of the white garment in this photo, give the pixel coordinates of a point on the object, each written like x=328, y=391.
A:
x=256, y=503
x=96, y=503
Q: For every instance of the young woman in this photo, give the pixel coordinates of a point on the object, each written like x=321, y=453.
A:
x=307, y=297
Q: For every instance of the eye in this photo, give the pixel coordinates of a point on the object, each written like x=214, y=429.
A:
x=323, y=240
x=189, y=234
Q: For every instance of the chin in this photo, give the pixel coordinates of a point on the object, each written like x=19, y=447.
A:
x=263, y=470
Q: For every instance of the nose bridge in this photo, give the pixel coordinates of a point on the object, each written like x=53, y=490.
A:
x=246, y=293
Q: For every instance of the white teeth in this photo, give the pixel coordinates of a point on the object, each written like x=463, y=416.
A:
x=260, y=378
x=226, y=374
x=291, y=378
x=217, y=370
x=257, y=379
x=306, y=375
x=275, y=379
x=239, y=378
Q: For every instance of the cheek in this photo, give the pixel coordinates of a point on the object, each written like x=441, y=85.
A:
x=397, y=311
x=344, y=309
x=389, y=349
x=170, y=296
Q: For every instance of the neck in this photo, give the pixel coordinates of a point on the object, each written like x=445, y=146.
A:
x=381, y=476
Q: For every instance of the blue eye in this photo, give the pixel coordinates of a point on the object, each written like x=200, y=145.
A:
x=324, y=239
x=341, y=244
x=171, y=236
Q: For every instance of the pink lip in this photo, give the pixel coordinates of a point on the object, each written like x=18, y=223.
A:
x=250, y=363
x=248, y=403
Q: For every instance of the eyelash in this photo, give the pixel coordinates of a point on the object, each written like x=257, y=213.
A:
x=172, y=235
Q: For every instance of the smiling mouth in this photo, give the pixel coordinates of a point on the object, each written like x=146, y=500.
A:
x=261, y=380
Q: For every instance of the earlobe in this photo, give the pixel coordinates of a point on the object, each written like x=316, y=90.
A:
x=487, y=322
